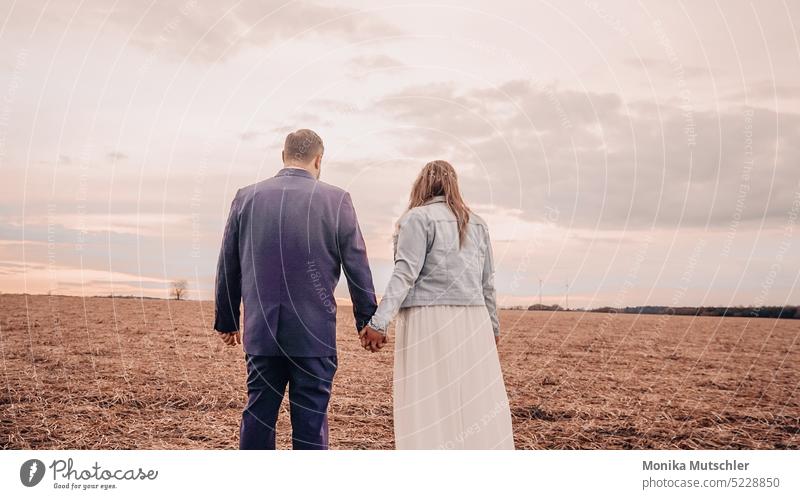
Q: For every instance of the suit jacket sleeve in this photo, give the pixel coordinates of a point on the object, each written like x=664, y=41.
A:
x=228, y=292
x=353, y=255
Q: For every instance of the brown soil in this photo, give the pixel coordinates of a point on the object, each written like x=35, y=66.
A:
x=101, y=373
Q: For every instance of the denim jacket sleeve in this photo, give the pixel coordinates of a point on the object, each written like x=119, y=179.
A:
x=410, y=251
x=489, y=293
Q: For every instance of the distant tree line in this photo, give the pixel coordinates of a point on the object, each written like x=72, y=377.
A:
x=774, y=312
x=539, y=306
x=787, y=312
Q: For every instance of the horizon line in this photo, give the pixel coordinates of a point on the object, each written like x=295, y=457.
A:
x=347, y=302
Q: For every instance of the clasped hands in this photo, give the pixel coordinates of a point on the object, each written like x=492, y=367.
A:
x=371, y=339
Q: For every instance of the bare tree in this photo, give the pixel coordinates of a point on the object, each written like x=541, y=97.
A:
x=178, y=288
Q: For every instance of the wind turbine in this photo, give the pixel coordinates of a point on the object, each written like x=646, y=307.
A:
x=540, y=293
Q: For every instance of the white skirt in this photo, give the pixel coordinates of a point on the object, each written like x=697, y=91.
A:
x=448, y=387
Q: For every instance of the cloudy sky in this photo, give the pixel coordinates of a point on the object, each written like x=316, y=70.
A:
x=637, y=152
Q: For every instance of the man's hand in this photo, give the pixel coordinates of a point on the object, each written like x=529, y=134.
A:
x=371, y=339
x=231, y=339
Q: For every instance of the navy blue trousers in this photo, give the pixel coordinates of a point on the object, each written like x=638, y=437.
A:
x=309, y=380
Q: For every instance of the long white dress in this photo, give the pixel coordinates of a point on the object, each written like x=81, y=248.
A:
x=448, y=386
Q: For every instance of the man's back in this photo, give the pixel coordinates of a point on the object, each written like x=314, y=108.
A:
x=285, y=242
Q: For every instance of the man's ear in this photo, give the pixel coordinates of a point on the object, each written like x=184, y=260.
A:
x=318, y=163
x=283, y=157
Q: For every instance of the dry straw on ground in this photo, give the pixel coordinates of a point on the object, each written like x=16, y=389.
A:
x=102, y=373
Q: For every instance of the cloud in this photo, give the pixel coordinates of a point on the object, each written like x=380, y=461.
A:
x=603, y=162
x=249, y=135
x=212, y=31
x=766, y=90
x=116, y=156
x=665, y=68
x=374, y=61
x=361, y=66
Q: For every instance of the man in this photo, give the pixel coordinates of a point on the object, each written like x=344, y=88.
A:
x=285, y=242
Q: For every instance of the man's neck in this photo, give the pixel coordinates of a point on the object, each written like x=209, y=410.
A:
x=294, y=167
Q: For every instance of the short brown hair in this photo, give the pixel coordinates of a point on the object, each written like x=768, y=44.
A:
x=302, y=145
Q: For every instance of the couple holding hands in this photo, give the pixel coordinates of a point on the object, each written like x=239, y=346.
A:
x=287, y=240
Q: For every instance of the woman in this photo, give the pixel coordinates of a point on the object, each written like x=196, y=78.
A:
x=448, y=386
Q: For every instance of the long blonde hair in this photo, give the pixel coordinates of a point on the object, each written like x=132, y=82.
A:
x=438, y=178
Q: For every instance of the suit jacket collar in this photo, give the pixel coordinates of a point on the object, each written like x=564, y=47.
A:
x=296, y=172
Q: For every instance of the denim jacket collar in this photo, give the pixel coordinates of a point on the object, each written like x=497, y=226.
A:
x=434, y=199
x=298, y=172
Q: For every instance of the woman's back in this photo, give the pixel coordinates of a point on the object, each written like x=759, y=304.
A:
x=451, y=273
x=442, y=251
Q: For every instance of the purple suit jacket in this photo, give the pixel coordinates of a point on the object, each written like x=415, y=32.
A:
x=286, y=240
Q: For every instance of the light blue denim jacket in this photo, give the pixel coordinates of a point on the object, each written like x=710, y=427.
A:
x=430, y=269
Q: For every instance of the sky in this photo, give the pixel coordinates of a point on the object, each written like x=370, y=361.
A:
x=623, y=153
